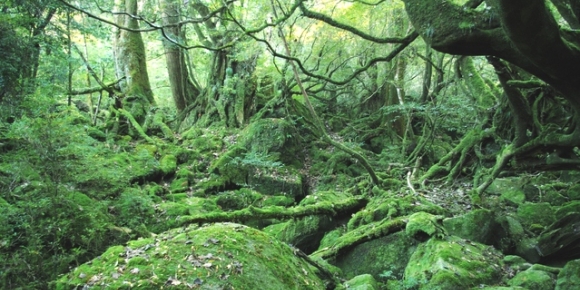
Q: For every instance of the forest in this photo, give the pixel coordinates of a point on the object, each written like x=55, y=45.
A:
x=267, y=144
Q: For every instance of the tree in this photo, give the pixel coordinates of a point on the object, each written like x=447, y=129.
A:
x=130, y=61
x=525, y=37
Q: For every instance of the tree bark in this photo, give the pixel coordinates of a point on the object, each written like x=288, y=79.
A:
x=183, y=90
x=130, y=63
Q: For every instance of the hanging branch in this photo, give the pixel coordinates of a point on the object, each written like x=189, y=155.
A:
x=318, y=123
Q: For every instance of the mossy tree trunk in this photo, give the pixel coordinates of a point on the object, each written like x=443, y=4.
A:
x=130, y=64
x=228, y=93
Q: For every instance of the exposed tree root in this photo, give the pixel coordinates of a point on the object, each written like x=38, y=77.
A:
x=278, y=212
x=362, y=234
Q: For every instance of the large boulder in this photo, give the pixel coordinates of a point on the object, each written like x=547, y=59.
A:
x=384, y=258
x=219, y=256
x=569, y=277
x=477, y=225
x=453, y=263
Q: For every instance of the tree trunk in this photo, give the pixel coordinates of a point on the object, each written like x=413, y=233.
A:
x=183, y=90
x=130, y=63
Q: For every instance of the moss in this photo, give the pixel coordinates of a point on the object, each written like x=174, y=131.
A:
x=151, y=149
x=536, y=214
x=422, y=225
x=280, y=200
x=383, y=258
x=330, y=238
x=362, y=282
x=573, y=206
x=514, y=197
x=533, y=279
x=569, y=277
x=168, y=164
x=453, y=263
x=390, y=207
x=179, y=185
x=477, y=225
x=213, y=257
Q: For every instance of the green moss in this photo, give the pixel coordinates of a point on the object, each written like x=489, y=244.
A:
x=573, y=206
x=453, y=263
x=422, y=225
x=168, y=164
x=477, y=225
x=533, y=279
x=384, y=258
x=514, y=197
x=280, y=200
x=212, y=257
x=569, y=277
x=179, y=185
x=536, y=213
x=362, y=282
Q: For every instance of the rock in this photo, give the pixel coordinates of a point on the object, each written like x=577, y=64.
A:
x=422, y=225
x=477, y=225
x=573, y=206
x=561, y=239
x=303, y=233
x=527, y=248
x=453, y=263
x=533, y=279
x=168, y=164
x=536, y=215
x=362, y=282
x=219, y=256
x=569, y=277
x=514, y=197
x=573, y=192
x=510, y=235
x=384, y=258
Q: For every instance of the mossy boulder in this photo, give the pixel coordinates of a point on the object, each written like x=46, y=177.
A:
x=304, y=233
x=272, y=136
x=362, y=282
x=389, y=254
x=477, y=225
x=573, y=192
x=535, y=216
x=569, y=277
x=533, y=279
x=573, y=206
x=219, y=256
x=168, y=164
x=422, y=225
x=514, y=196
x=453, y=263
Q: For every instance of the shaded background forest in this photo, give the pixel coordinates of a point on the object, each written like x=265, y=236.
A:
x=110, y=109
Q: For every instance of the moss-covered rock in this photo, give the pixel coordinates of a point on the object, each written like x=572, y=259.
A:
x=168, y=164
x=453, y=263
x=179, y=185
x=422, y=226
x=573, y=206
x=219, y=256
x=573, y=193
x=304, y=233
x=533, y=279
x=511, y=232
x=378, y=257
x=535, y=216
x=569, y=277
x=362, y=282
x=514, y=196
x=478, y=225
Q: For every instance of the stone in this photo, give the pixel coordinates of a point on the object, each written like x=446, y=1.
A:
x=477, y=225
